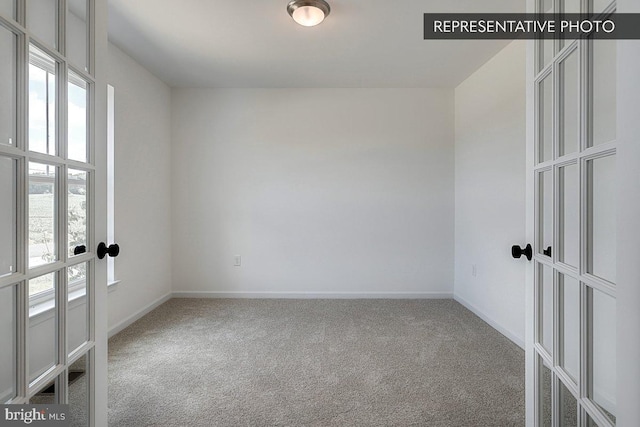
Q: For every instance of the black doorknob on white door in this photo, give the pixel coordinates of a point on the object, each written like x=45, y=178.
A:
x=112, y=250
x=517, y=251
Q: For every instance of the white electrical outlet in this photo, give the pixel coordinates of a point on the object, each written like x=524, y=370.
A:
x=237, y=261
x=474, y=270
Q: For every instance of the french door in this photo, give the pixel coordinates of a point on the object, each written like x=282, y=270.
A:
x=50, y=193
x=573, y=170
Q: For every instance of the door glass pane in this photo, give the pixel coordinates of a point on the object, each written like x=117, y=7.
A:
x=78, y=118
x=569, y=109
x=568, y=407
x=570, y=291
x=79, y=392
x=546, y=312
x=8, y=107
x=46, y=396
x=77, y=205
x=545, y=47
x=7, y=216
x=570, y=6
x=77, y=316
x=42, y=325
x=603, y=348
x=590, y=422
x=42, y=102
x=8, y=8
x=8, y=328
x=77, y=33
x=546, y=212
x=601, y=219
x=42, y=214
x=604, y=91
x=569, y=249
x=545, y=125
x=600, y=5
x=42, y=19
x=544, y=394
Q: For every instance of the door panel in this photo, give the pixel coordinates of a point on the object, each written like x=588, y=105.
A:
x=48, y=197
x=573, y=202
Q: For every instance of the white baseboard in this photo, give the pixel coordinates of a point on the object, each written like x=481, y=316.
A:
x=313, y=295
x=139, y=314
x=495, y=325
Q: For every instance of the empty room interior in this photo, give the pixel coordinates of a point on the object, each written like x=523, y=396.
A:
x=311, y=213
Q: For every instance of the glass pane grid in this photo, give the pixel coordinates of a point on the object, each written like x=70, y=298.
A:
x=575, y=132
x=41, y=166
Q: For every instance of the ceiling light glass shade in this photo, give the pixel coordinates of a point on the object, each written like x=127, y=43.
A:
x=308, y=12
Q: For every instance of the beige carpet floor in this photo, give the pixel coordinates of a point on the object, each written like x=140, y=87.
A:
x=314, y=363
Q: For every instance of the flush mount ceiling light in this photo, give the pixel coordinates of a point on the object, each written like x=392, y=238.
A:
x=308, y=12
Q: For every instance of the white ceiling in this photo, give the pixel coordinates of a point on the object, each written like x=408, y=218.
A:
x=255, y=43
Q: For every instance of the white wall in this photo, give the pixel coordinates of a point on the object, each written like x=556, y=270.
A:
x=490, y=190
x=142, y=187
x=321, y=191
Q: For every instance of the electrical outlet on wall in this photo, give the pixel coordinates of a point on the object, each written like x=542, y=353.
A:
x=237, y=261
x=474, y=270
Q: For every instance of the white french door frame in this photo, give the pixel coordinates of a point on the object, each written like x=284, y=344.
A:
x=95, y=167
x=582, y=387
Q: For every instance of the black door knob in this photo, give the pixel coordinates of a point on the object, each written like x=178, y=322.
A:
x=113, y=250
x=517, y=251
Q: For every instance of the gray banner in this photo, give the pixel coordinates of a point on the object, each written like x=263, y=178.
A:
x=34, y=415
x=507, y=26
